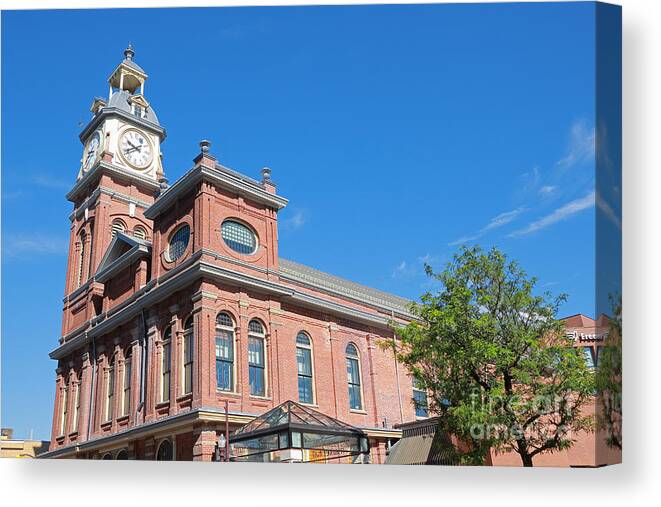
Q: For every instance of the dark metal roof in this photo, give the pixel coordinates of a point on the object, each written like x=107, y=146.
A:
x=120, y=100
x=423, y=443
x=292, y=414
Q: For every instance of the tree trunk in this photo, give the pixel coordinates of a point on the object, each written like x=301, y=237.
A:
x=527, y=460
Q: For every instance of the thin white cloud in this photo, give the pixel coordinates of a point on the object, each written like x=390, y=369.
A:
x=581, y=145
x=47, y=181
x=404, y=270
x=530, y=181
x=560, y=214
x=495, y=223
x=34, y=244
x=547, y=190
x=296, y=221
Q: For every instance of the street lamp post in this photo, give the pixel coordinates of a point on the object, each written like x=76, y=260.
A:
x=223, y=444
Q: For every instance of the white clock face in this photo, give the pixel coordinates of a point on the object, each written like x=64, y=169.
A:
x=89, y=157
x=135, y=149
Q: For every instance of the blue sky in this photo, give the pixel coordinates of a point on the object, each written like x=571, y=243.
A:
x=397, y=133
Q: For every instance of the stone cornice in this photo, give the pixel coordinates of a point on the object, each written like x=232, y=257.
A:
x=100, y=166
x=224, y=179
x=91, y=200
x=172, y=422
x=184, y=275
x=114, y=111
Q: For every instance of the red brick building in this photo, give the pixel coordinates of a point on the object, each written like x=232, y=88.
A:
x=177, y=301
x=589, y=449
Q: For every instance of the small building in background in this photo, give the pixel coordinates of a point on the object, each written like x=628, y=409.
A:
x=20, y=448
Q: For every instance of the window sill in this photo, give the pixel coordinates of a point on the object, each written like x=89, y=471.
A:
x=311, y=405
x=261, y=398
x=122, y=419
x=162, y=404
x=60, y=439
x=106, y=425
x=72, y=435
x=356, y=411
x=185, y=397
x=228, y=393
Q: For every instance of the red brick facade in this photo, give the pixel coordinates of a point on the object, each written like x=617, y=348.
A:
x=123, y=292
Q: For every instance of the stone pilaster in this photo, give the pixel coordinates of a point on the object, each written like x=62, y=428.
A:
x=205, y=444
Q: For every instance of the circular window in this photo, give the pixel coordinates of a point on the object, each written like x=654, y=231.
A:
x=238, y=237
x=178, y=243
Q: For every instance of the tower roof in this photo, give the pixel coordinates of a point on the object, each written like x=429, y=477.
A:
x=128, y=75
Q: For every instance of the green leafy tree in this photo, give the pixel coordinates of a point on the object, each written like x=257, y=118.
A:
x=495, y=361
x=609, y=381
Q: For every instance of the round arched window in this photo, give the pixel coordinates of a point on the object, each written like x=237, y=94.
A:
x=165, y=451
x=178, y=243
x=238, y=237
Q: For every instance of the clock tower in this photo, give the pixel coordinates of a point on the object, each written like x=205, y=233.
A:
x=119, y=176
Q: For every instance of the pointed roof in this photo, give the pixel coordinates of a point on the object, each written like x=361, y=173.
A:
x=578, y=320
x=122, y=250
x=293, y=415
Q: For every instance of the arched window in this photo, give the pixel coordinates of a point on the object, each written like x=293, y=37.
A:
x=63, y=411
x=126, y=384
x=110, y=390
x=122, y=455
x=165, y=451
x=304, y=365
x=178, y=243
x=140, y=232
x=107, y=456
x=256, y=361
x=117, y=225
x=420, y=399
x=224, y=352
x=166, y=364
x=188, y=356
x=353, y=377
x=81, y=258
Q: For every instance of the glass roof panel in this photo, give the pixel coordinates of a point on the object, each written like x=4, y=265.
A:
x=290, y=413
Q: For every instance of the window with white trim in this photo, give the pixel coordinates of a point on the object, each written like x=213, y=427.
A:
x=188, y=356
x=353, y=377
x=64, y=409
x=166, y=361
x=76, y=403
x=420, y=399
x=224, y=352
x=126, y=392
x=178, y=243
x=238, y=237
x=81, y=258
x=256, y=360
x=304, y=368
x=110, y=391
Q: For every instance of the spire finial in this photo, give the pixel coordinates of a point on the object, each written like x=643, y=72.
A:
x=128, y=52
x=266, y=175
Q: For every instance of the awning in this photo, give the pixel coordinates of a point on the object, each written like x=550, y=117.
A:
x=423, y=443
